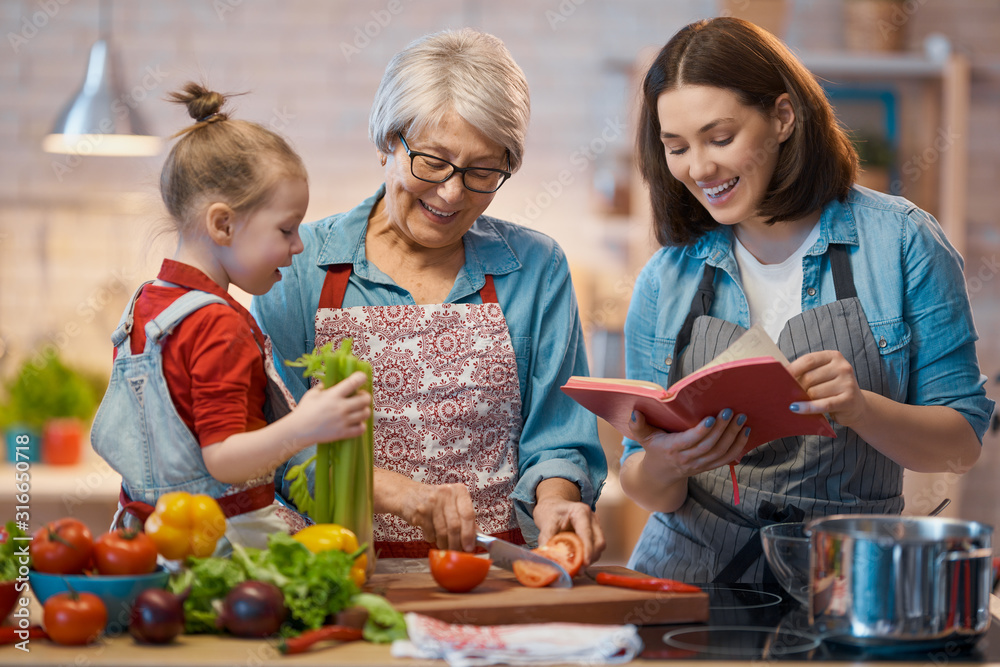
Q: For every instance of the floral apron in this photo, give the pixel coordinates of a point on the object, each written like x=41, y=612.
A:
x=447, y=401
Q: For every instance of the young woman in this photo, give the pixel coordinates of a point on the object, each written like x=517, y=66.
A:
x=751, y=183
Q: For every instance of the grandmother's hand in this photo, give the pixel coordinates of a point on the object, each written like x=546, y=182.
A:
x=558, y=508
x=444, y=512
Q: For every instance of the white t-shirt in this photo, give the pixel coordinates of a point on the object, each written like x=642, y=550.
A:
x=773, y=291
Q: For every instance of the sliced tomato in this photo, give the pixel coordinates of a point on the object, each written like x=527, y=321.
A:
x=457, y=571
x=565, y=548
x=534, y=575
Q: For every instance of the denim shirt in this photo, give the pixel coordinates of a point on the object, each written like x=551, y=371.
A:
x=534, y=289
x=908, y=277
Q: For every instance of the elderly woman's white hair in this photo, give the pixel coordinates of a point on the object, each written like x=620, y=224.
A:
x=465, y=70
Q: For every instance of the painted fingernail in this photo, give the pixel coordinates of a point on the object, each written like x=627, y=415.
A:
x=633, y=415
x=740, y=420
x=794, y=407
x=709, y=422
x=746, y=432
x=726, y=415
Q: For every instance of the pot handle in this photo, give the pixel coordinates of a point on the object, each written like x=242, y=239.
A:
x=971, y=554
x=953, y=602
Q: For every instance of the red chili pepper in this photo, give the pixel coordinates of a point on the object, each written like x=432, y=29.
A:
x=305, y=641
x=12, y=635
x=645, y=583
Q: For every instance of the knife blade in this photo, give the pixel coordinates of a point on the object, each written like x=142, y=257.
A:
x=504, y=554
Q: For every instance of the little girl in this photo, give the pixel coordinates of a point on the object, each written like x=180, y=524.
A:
x=194, y=403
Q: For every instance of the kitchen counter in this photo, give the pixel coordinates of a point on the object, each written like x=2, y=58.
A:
x=212, y=651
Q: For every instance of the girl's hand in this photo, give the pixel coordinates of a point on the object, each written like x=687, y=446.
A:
x=832, y=386
x=714, y=442
x=340, y=412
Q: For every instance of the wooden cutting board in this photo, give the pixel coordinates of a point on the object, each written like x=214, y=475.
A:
x=501, y=600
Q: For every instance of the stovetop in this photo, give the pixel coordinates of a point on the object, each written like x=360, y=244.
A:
x=762, y=622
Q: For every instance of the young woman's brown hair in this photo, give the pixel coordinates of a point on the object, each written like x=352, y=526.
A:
x=816, y=164
x=218, y=159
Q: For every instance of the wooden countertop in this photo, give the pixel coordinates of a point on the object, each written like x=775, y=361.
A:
x=214, y=651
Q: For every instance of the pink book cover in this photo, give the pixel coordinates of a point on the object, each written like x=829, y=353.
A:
x=760, y=387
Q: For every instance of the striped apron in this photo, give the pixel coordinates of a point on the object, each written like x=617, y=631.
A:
x=708, y=539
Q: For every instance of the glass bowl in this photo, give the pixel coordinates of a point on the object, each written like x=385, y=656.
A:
x=117, y=591
x=786, y=548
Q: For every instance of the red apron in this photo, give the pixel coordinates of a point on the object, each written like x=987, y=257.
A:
x=447, y=401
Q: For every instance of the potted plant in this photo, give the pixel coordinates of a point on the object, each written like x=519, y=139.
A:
x=46, y=406
x=876, y=155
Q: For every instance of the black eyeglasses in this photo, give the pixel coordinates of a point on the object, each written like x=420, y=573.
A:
x=432, y=169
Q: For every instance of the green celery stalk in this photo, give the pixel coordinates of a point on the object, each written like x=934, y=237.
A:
x=344, y=462
x=344, y=472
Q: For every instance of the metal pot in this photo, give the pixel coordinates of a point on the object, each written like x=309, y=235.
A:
x=884, y=579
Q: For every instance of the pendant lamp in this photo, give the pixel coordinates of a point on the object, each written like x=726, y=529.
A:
x=99, y=119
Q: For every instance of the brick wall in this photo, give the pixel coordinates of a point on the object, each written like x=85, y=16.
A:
x=76, y=233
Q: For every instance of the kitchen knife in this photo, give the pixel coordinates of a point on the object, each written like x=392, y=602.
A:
x=504, y=555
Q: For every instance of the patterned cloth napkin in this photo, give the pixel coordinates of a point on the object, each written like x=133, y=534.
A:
x=530, y=644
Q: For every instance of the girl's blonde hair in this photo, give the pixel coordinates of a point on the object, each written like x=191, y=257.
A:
x=219, y=159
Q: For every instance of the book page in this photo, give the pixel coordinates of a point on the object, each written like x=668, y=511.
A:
x=753, y=343
x=616, y=381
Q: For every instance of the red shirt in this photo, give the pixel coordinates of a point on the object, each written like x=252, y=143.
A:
x=211, y=362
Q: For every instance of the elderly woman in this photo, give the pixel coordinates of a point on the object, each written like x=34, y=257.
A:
x=470, y=323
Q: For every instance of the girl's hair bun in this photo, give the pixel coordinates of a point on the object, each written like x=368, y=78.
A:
x=202, y=104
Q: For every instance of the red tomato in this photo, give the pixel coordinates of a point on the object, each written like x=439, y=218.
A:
x=125, y=552
x=74, y=618
x=565, y=548
x=458, y=571
x=63, y=546
x=534, y=575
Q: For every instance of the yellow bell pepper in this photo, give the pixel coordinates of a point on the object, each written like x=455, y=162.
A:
x=327, y=536
x=185, y=525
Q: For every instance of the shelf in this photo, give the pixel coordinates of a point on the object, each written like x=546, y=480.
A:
x=875, y=65
x=88, y=490
x=944, y=127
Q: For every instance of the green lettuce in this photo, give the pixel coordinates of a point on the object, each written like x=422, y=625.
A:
x=315, y=586
x=384, y=623
x=9, y=562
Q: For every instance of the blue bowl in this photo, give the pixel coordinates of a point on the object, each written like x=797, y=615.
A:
x=118, y=592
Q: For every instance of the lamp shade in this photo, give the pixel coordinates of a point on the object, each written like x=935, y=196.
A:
x=99, y=120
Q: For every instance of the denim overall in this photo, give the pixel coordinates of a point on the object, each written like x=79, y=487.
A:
x=138, y=432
